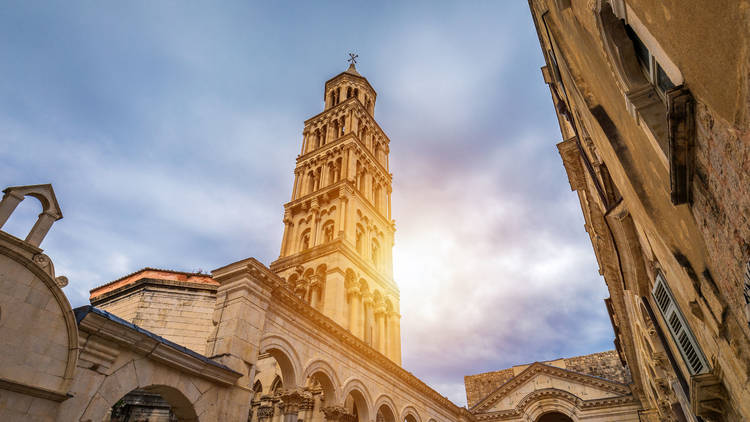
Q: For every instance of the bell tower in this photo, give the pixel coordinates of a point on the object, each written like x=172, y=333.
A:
x=336, y=251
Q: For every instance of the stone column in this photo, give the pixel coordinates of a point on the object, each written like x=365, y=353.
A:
x=380, y=322
x=288, y=227
x=337, y=414
x=8, y=205
x=296, y=183
x=334, y=298
x=343, y=199
x=395, y=337
x=291, y=401
x=354, y=295
x=367, y=314
x=265, y=410
x=315, y=291
x=351, y=172
x=41, y=227
x=316, y=219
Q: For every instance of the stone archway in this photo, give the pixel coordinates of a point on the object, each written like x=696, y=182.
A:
x=158, y=403
x=554, y=417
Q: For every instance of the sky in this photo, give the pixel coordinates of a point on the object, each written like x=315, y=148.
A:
x=169, y=131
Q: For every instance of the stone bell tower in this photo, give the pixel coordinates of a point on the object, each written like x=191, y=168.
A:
x=338, y=234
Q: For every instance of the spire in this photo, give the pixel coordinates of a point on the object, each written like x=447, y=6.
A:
x=352, y=62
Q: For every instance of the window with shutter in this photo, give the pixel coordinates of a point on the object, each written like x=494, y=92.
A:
x=678, y=328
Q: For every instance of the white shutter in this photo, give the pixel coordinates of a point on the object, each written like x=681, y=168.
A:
x=678, y=328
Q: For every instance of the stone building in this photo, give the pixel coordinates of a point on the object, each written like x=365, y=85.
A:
x=653, y=104
x=591, y=387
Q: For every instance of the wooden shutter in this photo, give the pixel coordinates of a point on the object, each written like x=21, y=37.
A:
x=678, y=328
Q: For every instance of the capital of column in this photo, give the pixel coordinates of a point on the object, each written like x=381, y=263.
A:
x=315, y=205
x=379, y=309
x=337, y=414
x=353, y=291
x=367, y=298
x=291, y=401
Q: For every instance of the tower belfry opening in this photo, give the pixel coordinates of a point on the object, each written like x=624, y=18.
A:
x=338, y=232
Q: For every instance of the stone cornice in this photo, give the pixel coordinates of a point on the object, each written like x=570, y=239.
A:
x=295, y=306
x=538, y=368
x=145, y=282
x=33, y=391
x=553, y=393
x=136, y=339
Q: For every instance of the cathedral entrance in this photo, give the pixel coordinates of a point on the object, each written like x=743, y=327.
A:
x=554, y=417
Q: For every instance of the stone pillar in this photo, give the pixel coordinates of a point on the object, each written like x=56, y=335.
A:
x=316, y=219
x=380, y=323
x=315, y=291
x=295, y=186
x=367, y=316
x=239, y=317
x=8, y=205
x=354, y=295
x=291, y=403
x=351, y=172
x=395, y=337
x=265, y=410
x=41, y=227
x=288, y=227
x=343, y=199
x=337, y=414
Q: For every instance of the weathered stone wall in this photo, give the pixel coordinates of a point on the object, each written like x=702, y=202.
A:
x=605, y=365
x=480, y=386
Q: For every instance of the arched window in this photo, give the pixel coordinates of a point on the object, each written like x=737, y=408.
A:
x=343, y=126
x=317, y=139
x=336, y=128
x=277, y=385
x=328, y=233
x=375, y=252
x=359, y=238
x=305, y=240
x=348, y=92
x=257, y=389
x=323, y=135
x=338, y=169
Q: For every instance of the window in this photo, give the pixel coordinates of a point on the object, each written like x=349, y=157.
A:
x=653, y=71
x=359, y=236
x=678, y=327
x=305, y=240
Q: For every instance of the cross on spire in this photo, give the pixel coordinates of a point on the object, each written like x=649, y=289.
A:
x=352, y=58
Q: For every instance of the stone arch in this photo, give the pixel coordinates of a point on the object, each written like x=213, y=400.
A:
x=326, y=376
x=285, y=356
x=410, y=414
x=179, y=404
x=37, y=269
x=50, y=208
x=539, y=402
x=554, y=417
x=361, y=398
x=173, y=386
x=385, y=406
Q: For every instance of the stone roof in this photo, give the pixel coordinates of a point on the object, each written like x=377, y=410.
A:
x=153, y=274
x=605, y=365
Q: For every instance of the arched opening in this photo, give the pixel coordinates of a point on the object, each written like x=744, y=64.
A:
x=410, y=418
x=305, y=240
x=375, y=253
x=152, y=403
x=554, y=417
x=328, y=231
x=385, y=414
x=356, y=405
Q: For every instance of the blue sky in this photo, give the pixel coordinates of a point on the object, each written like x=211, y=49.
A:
x=169, y=132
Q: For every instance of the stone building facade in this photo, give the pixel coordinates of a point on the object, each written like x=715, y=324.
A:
x=653, y=104
x=591, y=387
